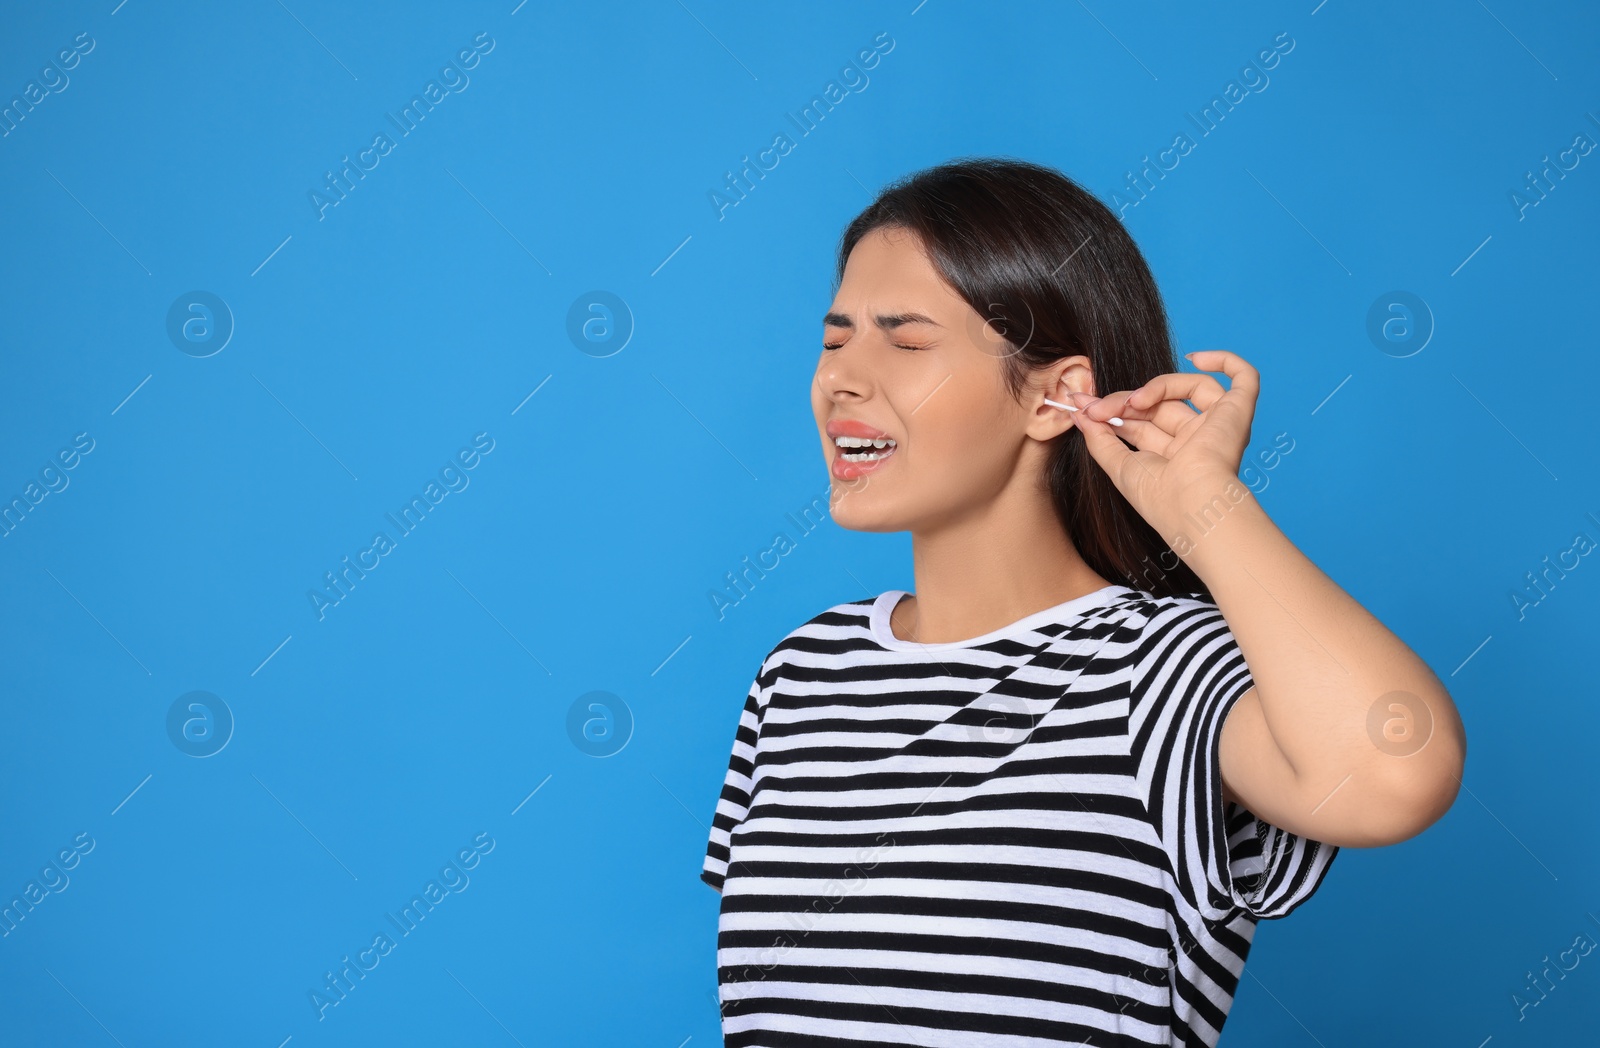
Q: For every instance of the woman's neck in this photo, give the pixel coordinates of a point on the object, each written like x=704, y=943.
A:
x=984, y=572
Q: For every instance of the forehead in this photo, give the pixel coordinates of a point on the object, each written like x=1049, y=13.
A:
x=888, y=269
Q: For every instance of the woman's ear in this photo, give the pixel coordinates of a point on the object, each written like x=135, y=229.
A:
x=1070, y=375
x=1070, y=384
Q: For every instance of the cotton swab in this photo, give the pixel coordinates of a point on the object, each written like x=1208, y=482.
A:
x=1068, y=407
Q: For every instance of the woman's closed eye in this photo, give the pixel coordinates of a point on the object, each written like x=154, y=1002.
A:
x=896, y=345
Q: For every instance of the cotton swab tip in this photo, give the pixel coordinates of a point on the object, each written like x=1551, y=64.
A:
x=1068, y=407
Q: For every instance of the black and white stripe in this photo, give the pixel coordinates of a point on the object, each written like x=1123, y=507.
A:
x=1017, y=840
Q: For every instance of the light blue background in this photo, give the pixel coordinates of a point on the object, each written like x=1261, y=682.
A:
x=371, y=745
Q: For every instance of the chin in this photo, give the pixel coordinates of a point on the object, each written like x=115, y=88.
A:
x=852, y=514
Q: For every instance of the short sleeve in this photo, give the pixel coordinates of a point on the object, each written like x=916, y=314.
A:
x=734, y=802
x=1187, y=675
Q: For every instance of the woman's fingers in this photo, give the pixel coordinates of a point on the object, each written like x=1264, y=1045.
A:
x=1178, y=386
x=1146, y=435
x=1244, y=382
x=1152, y=402
x=1174, y=427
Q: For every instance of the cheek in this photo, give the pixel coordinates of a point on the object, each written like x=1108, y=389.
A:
x=959, y=447
x=952, y=448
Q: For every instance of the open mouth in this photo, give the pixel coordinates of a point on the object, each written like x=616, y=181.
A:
x=861, y=449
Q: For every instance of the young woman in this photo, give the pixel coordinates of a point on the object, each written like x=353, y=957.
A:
x=1046, y=798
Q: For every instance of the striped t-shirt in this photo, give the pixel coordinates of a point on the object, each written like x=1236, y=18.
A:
x=1017, y=840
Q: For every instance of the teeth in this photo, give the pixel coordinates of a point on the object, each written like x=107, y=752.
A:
x=864, y=449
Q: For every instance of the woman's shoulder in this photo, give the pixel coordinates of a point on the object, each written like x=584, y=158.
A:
x=1154, y=605
x=825, y=632
x=838, y=623
x=1164, y=633
x=1150, y=623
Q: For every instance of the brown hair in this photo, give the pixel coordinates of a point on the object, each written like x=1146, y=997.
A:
x=1032, y=251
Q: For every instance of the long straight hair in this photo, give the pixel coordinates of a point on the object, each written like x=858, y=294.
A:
x=1053, y=272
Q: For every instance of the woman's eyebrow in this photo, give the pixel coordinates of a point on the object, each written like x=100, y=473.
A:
x=887, y=322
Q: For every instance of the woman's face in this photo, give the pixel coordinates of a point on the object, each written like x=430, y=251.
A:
x=905, y=358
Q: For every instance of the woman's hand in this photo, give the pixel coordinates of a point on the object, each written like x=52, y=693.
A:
x=1183, y=455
